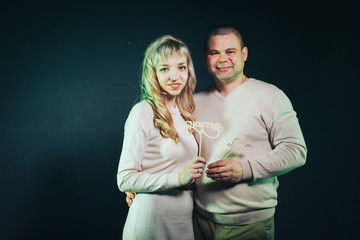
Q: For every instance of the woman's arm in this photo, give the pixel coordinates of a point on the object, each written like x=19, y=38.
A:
x=130, y=178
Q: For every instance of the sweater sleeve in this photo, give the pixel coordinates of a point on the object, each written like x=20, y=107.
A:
x=288, y=144
x=130, y=177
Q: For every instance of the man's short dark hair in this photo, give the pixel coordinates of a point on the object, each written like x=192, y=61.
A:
x=222, y=30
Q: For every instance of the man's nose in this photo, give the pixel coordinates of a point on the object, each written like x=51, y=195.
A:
x=222, y=58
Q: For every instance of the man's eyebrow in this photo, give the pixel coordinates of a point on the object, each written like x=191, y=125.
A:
x=215, y=50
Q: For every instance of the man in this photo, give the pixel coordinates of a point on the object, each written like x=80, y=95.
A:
x=260, y=139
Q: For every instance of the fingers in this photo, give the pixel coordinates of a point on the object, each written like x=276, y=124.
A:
x=193, y=170
x=200, y=160
x=222, y=179
x=216, y=168
x=130, y=194
x=196, y=168
x=130, y=197
x=129, y=201
x=224, y=174
x=220, y=163
x=214, y=171
x=196, y=172
x=225, y=170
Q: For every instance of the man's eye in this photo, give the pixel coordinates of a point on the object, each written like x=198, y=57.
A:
x=213, y=53
x=230, y=52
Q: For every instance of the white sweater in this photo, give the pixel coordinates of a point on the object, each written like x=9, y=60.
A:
x=148, y=161
x=271, y=143
x=149, y=165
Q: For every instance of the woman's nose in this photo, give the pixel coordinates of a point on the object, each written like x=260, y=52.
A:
x=174, y=75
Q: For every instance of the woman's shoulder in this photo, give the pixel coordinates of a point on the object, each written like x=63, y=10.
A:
x=140, y=117
x=143, y=107
x=141, y=111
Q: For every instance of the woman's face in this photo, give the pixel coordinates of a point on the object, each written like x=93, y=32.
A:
x=172, y=74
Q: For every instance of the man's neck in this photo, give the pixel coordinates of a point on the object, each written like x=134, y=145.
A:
x=225, y=88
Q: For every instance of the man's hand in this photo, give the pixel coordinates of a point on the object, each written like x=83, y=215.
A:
x=227, y=170
x=130, y=197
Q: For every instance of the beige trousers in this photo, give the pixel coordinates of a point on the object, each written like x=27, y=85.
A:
x=206, y=229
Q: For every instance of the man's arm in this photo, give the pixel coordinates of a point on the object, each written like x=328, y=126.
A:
x=289, y=149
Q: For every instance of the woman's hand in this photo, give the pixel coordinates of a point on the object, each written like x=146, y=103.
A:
x=130, y=197
x=193, y=170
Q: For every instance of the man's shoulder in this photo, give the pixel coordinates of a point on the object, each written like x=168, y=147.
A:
x=266, y=92
x=206, y=92
x=262, y=85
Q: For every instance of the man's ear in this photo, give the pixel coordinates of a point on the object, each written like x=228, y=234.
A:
x=245, y=53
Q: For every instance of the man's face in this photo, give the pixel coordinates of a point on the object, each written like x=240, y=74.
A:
x=225, y=58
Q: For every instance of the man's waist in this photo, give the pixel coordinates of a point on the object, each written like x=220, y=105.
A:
x=238, y=218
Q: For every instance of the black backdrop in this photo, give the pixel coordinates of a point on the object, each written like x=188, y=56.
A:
x=69, y=76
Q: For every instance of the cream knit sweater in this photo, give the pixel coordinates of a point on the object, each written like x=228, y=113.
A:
x=270, y=143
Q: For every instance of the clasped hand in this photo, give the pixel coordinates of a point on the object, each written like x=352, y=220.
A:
x=226, y=170
x=193, y=170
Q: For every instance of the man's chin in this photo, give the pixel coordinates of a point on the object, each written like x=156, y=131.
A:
x=224, y=79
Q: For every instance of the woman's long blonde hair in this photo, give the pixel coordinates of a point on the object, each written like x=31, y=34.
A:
x=151, y=92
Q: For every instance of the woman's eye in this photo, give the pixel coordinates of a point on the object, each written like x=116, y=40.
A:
x=182, y=68
x=163, y=69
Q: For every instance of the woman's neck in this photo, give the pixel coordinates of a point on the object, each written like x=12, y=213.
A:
x=170, y=102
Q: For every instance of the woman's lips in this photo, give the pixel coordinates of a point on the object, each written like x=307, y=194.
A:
x=175, y=85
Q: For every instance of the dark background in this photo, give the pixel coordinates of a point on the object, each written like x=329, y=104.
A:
x=70, y=74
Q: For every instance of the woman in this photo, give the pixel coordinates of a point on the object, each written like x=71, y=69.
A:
x=159, y=154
